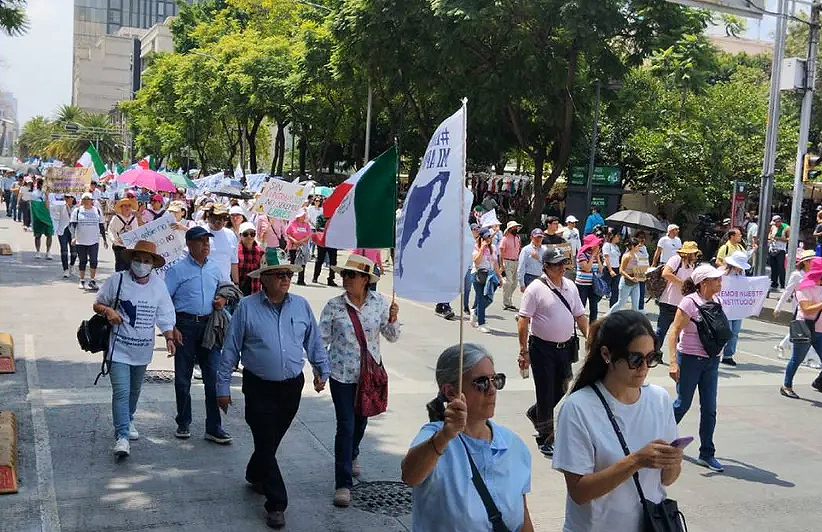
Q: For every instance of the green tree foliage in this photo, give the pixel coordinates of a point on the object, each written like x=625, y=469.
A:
x=13, y=19
x=43, y=137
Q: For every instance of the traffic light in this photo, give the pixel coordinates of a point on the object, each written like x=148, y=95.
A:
x=811, y=168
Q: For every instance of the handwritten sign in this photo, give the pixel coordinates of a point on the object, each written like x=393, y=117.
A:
x=743, y=296
x=67, y=180
x=171, y=243
x=280, y=199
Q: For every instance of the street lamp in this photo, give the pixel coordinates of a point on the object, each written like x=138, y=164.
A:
x=589, y=186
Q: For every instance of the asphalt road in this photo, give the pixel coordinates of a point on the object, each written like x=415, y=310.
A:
x=70, y=480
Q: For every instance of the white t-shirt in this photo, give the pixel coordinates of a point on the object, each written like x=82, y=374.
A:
x=142, y=306
x=88, y=225
x=586, y=443
x=313, y=213
x=669, y=246
x=224, y=250
x=572, y=237
x=25, y=193
x=614, y=253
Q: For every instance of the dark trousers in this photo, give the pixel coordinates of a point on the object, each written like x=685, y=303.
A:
x=777, y=263
x=350, y=430
x=551, y=367
x=666, y=318
x=322, y=252
x=12, y=207
x=88, y=255
x=24, y=212
x=292, y=256
x=642, y=296
x=7, y=200
x=270, y=407
x=614, y=281
x=188, y=354
x=120, y=265
x=587, y=295
x=65, y=247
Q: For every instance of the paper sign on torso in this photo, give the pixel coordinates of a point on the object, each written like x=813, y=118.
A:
x=67, y=180
x=280, y=199
x=743, y=296
x=171, y=243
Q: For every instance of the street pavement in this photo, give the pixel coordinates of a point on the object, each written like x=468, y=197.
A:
x=70, y=480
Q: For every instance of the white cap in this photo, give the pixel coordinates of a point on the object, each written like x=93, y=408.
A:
x=776, y=217
x=571, y=219
x=237, y=210
x=671, y=227
x=246, y=226
x=87, y=195
x=706, y=271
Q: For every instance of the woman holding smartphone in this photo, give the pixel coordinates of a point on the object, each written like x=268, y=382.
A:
x=602, y=495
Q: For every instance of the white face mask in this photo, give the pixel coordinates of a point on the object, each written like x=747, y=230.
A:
x=140, y=269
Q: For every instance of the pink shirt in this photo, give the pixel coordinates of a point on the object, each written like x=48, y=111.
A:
x=550, y=319
x=813, y=295
x=297, y=231
x=374, y=255
x=672, y=294
x=509, y=248
x=689, y=342
x=271, y=230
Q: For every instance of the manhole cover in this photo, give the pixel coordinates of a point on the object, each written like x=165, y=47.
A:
x=382, y=497
x=157, y=375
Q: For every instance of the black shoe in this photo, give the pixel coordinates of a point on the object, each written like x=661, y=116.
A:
x=531, y=414
x=300, y=283
x=315, y=281
x=222, y=437
x=182, y=432
x=332, y=283
x=729, y=362
x=547, y=449
x=276, y=519
x=450, y=316
x=817, y=385
x=512, y=308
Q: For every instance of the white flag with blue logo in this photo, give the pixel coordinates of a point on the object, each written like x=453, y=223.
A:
x=429, y=265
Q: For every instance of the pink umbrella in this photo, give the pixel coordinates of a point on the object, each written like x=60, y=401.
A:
x=142, y=177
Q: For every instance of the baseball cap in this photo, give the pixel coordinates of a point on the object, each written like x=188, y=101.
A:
x=157, y=197
x=198, y=232
x=571, y=219
x=247, y=226
x=484, y=232
x=474, y=227
x=553, y=256
x=87, y=195
x=236, y=209
x=537, y=233
x=706, y=271
x=776, y=217
x=671, y=227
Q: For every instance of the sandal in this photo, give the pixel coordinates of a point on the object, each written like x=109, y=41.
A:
x=787, y=392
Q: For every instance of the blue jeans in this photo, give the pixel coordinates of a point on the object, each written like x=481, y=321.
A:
x=730, y=347
x=126, y=383
x=641, y=296
x=14, y=211
x=626, y=291
x=587, y=295
x=480, y=302
x=350, y=430
x=798, y=355
x=666, y=318
x=7, y=200
x=466, y=293
x=703, y=373
x=188, y=354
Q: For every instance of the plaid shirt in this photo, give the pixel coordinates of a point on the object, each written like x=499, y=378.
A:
x=249, y=261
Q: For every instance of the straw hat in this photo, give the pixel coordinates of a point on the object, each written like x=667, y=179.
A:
x=688, y=248
x=359, y=264
x=273, y=259
x=806, y=255
x=218, y=209
x=131, y=200
x=511, y=225
x=146, y=247
x=176, y=206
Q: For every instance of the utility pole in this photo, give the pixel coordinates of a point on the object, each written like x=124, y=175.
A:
x=368, y=125
x=804, y=126
x=589, y=184
x=769, y=160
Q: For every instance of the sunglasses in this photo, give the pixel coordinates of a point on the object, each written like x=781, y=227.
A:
x=279, y=274
x=350, y=274
x=483, y=384
x=250, y=233
x=651, y=360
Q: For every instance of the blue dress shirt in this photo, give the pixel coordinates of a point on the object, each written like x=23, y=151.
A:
x=192, y=287
x=272, y=343
x=528, y=264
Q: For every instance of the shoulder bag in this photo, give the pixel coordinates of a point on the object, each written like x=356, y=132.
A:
x=657, y=517
x=494, y=515
x=372, y=388
x=94, y=333
x=573, y=343
x=801, y=330
x=713, y=327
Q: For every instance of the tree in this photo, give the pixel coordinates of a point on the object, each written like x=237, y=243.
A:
x=13, y=19
x=35, y=137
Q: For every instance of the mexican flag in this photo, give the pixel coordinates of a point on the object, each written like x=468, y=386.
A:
x=361, y=211
x=147, y=163
x=92, y=158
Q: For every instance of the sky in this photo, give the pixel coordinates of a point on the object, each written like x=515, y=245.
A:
x=37, y=66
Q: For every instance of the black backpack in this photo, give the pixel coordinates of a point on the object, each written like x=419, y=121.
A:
x=713, y=329
x=93, y=334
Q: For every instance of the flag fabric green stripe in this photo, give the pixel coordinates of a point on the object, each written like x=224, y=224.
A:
x=96, y=161
x=375, y=202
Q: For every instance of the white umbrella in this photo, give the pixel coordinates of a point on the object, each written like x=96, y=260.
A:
x=637, y=220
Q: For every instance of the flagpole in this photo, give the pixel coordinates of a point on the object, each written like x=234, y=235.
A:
x=396, y=185
x=461, y=227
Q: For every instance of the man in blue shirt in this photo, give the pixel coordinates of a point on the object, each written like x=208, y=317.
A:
x=7, y=180
x=594, y=219
x=530, y=260
x=271, y=332
x=192, y=283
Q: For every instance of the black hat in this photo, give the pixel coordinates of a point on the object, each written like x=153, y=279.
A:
x=553, y=256
x=197, y=232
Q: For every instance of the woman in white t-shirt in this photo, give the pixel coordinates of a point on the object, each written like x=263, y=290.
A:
x=602, y=495
x=611, y=253
x=143, y=303
x=483, y=264
x=675, y=271
x=87, y=226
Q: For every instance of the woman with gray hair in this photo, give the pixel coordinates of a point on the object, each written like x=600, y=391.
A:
x=450, y=493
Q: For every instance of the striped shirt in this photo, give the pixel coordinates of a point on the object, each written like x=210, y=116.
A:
x=584, y=278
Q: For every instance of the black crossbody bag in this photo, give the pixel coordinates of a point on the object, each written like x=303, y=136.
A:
x=573, y=343
x=656, y=517
x=494, y=516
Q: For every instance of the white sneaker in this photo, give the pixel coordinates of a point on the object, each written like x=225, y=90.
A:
x=82, y=285
x=48, y=256
x=473, y=319
x=780, y=351
x=36, y=254
x=484, y=329
x=73, y=270
x=122, y=448
x=812, y=364
x=132, y=432
x=197, y=373
x=65, y=274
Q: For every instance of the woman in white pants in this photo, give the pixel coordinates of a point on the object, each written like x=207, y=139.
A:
x=813, y=359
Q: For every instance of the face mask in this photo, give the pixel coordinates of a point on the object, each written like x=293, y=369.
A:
x=140, y=269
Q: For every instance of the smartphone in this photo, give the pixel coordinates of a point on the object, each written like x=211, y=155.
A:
x=681, y=443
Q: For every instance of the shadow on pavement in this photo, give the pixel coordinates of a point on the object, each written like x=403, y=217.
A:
x=744, y=471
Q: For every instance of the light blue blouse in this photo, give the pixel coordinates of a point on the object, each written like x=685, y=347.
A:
x=447, y=500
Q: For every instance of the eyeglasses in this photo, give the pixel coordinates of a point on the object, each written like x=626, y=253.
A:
x=349, y=274
x=250, y=233
x=652, y=359
x=279, y=274
x=483, y=384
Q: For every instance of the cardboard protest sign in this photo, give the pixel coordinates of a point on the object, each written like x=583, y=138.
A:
x=171, y=243
x=68, y=180
x=743, y=296
x=280, y=199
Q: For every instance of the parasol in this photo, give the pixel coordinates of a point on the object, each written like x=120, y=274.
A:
x=637, y=220
x=142, y=177
x=179, y=180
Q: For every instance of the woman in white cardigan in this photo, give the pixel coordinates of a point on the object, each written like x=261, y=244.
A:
x=789, y=295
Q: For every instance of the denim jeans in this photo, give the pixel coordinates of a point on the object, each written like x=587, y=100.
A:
x=666, y=318
x=626, y=291
x=25, y=212
x=730, y=347
x=126, y=383
x=65, y=247
x=12, y=207
x=350, y=430
x=703, y=373
x=800, y=351
x=466, y=293
x=188, y=354
x=587, y=295
x=641, y=296
x=480, y=302
x=614, y=289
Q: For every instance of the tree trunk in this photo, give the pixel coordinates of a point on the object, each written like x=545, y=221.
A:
x=251, y=137
x=534, y=218
x=280, y=142
x=499, y=167
x=303, y=148
x=232, y=145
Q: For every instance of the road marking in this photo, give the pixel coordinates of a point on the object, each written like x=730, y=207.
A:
x=49, y=518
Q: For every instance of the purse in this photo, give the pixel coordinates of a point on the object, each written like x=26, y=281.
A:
x=494, y=515
x=573, y=343
x=94, y=334
x=372, y=389
x=481, y=276
x=657, y=517
x=800, y=330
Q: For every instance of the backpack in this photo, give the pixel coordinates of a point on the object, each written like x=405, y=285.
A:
x=713, y=328
x=654, y=282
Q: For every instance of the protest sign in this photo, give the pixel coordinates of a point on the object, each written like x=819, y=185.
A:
x=68, y=180
x=743, y=296
x=171, y=243
x=280, y=199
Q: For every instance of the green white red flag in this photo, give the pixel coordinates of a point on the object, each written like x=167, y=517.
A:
x=91, y=158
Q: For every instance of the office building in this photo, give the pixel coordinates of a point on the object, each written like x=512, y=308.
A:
x=9, y=125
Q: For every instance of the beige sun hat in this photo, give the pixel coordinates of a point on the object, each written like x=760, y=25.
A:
x=359, y=264
x=146, y=247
